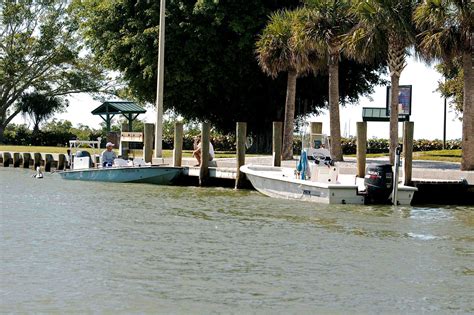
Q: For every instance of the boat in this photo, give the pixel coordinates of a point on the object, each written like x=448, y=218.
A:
x=317, y=179
x=83, y=166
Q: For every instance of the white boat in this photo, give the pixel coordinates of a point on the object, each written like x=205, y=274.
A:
x=318, y=180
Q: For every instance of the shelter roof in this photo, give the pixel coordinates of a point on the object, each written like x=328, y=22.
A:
x=118, y=107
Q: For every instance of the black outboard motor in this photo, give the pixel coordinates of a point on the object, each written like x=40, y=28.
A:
x=379, y=183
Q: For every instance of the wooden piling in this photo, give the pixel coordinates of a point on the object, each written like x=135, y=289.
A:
x=241, y=135
x=6, y=159
x=277, y=142
x=361, y=148
x=124, y=149
x=316, y=128
x=148, y=134
x=178, y=144
x=37, y=160
x=16, y=159
x=408, y=129
x=48, y=160
x=26, y=160
x=204, y=170
x=61, y=162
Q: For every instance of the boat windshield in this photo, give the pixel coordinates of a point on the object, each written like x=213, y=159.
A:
x=315, y=141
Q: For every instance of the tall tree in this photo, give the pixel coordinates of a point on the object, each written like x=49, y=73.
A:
x=282, y=48
x=40, y=107
x=384, y=28
x=211, y=72
x=329, y=22
x=39, y=50
x=446, y=32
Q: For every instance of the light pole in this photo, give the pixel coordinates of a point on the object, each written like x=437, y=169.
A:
x=444, y=127
x=159, y=85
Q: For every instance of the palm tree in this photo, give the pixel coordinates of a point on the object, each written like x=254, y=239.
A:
x=384, y=28
x=282, y=48
x=329, y=21
x=446, y=32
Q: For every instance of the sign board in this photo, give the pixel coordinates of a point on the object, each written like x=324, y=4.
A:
x=131, y=136
x=404, y=100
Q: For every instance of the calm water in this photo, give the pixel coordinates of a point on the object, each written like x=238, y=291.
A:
x=71, y=246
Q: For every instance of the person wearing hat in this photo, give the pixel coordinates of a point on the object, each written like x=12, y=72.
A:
x=108, y=156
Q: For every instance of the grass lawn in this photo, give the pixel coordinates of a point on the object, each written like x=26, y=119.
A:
x=439, y=155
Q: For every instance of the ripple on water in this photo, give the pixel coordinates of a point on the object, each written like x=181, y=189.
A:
x=94, y=247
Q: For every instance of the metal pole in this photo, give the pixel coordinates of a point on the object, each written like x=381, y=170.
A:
x=159, y=87
x=398, y=151
x=444, y=127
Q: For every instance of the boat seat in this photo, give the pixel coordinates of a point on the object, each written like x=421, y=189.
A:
x=120, y=162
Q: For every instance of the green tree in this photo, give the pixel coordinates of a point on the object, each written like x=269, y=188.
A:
x=452, y=86
x=39, y=51
x=210, y=68
x=446, y=32
x=282, y=48
x=385, y=29
x=40, y=107
x=329, y=21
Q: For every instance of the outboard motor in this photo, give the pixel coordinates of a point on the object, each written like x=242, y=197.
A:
x=379, y=183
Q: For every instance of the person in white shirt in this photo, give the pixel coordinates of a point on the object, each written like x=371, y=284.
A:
x=197, y=150
x=108, y=155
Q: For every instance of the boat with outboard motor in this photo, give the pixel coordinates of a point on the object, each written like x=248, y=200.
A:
x=83, y=166
x=317, y=179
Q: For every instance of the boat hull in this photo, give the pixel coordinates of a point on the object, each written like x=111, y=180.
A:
x=158, y=175
x=280, y=182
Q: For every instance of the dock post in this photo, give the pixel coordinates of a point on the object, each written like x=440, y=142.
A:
x=48, y=160
x=37, y=160
x=408, y=128
x=361, y=147
x=6, y=159
x=204, y=170
x=241, y=135
x=316, y=127
x=124, y=144
x=178, y=144
x=26, y=160
x=61, y=162
x=148, y=134
x=16, y=159
x=277, y=142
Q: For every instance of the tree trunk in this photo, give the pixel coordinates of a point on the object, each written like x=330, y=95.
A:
x=396, y=64
x=287, y=151
x=467, y=159
x=334, y=119
x=395, y=79
x=2, y=130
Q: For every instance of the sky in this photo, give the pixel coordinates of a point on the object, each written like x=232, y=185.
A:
x=427, y=109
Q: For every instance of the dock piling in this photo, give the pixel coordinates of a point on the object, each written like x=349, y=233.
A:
x=361, y=148
x=178, y=144
x=277, y=142
x=408, y=129
x=26, y=160
x=204, y=169
x=6, y=159
x=124, y=148
x=148, y=134
x=37, y=160
x=16, y=159
x=48, y=160
x=61, y=162
x=241, y=135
